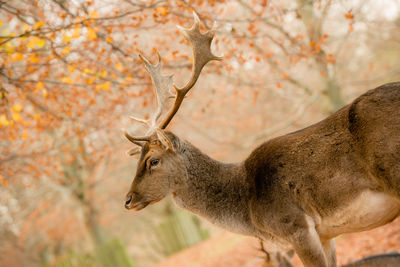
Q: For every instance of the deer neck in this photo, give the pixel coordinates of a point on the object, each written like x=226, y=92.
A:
x=216, y=191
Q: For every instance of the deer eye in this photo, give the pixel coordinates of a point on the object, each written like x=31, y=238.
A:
x=154, y=162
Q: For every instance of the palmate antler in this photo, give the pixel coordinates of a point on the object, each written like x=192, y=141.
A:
x=201, y=44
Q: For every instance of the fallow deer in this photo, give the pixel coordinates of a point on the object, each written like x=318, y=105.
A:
x=300, y=190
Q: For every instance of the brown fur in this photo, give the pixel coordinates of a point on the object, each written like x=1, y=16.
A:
x=299, y=190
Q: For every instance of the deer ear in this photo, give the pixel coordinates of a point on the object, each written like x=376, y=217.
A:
x=133, y=151
x=164, y=139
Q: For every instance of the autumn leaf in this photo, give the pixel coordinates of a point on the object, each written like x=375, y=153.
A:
x=16, y=108
x=71, y=69
x=39, y=86
x=45, y=93
x=118, y=66
x=88, y=71
x=25, y=27
x=103, y=86
x=94, y=14
x=66, y=50
x=90, y=80
x=91, y=34
x=102, y=74
x=77, y=32
x=67, y=80
x=25, y=134
x=162, y=11
x=36, y=42
x=17, y=56
x=4, y=121
x=38, y=25
x=40, y=43
x=33, y=59
x=349, y=15
x=67, y=39
x=16, y=116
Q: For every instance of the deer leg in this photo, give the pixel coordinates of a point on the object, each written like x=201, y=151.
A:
x=307, y=244
x=330, y=251
x=305, y=240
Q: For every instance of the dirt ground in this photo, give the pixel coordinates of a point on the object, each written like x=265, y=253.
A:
x=239, y=251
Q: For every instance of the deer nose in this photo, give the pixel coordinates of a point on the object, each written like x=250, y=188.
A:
x=128, y=202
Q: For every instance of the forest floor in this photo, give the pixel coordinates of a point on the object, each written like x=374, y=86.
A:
x=240, y=251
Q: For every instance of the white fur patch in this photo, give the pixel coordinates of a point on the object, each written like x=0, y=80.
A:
x=369, y=210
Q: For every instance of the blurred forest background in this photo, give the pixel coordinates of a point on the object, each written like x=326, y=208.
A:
x=70, y=77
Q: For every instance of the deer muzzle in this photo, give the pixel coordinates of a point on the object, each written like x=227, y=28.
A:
x=135, y=202
x=128, y=201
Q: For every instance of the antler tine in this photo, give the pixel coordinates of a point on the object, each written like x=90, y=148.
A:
x=201, y=45
x=136, y=139
x=162, y=85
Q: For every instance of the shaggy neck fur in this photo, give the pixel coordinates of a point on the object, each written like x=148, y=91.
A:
x=211, y=187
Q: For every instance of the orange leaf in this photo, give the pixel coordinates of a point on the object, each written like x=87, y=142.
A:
x=104, y=86
x=66, y=50
x=94, y=14
x=39, y=86
x=25, y=134
x=36, y=42
x=38, y=24
x=90, y=80
x=4, y=121
x=16, y=116
x=66, y=80
x=67, y=39
x=162, y=11
x=91, y=34
x=349, y=15
x=45, y=93
x=16, y=108
x=17, y=56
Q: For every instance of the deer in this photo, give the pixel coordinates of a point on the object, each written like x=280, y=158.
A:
x=298, y=191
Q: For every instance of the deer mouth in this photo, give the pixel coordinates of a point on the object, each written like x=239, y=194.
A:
x=136, y=202
x=138, y=206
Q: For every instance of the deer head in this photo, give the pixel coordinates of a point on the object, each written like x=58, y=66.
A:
x=160, y=165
